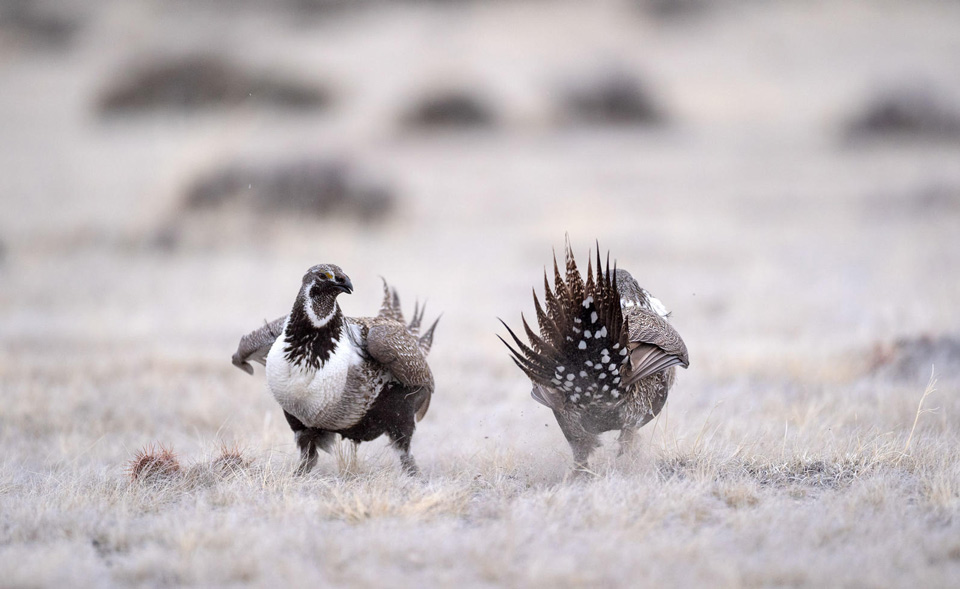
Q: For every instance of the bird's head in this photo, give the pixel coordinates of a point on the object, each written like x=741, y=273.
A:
x=632, y=295
x=318, y=293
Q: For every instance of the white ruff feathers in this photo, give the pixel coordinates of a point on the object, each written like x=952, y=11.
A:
x=310, y=394
x=656, y=305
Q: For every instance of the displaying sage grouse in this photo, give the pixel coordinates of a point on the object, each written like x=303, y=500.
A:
x=357, y=377
x=605, y=357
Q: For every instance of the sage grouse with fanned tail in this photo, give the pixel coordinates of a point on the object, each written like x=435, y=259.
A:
x=357, y=377
x=605, y=357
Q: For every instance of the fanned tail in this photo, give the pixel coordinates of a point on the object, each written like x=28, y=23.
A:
x=581, y=343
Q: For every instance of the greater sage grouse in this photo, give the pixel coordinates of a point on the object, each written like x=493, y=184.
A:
x=357, y=377
x=605, y=357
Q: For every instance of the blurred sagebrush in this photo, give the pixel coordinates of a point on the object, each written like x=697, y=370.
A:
x=197, y=81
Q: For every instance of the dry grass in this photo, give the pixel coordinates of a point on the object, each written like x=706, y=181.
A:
x=695, y=502
x=814, y=284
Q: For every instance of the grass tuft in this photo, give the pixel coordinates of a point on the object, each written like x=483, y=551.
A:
x=154, y=463
x=231, y=459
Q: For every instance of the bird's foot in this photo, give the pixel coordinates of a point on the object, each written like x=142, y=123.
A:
x=304, y=467
x=581, y=472
x=409, y=465
x=626, y=441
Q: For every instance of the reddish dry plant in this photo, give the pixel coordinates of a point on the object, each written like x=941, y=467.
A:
x=231, y=458
x=154, y=461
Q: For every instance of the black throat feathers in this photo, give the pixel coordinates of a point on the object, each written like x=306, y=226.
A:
x=309, y=345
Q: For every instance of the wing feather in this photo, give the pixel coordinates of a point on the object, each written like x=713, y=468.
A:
x=653, y=344
x=255, y=346
x=391, y=344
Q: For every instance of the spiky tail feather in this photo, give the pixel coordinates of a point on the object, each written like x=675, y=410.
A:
x=580, y=325
x=390, y=309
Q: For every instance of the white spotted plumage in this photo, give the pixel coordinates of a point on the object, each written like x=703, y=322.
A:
x=602, y=321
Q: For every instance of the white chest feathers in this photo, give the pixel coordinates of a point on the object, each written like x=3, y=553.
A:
x=313, y=395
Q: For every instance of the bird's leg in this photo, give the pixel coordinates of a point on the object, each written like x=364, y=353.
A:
x=308, y=451
x=409, y=464
x=581, y=441
x=581, y=456
x=401, y=442
x=306, y=440
x=347, y=456
x=352, y=452
x=628, y=436
x=400, y=431
x=324, y=440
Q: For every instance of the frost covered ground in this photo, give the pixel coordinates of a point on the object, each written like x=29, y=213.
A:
x=813, y=272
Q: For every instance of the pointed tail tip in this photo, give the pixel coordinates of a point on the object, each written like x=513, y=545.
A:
x=426, y=340
x=433, y=326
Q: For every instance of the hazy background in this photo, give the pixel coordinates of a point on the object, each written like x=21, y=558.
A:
x=784, y=176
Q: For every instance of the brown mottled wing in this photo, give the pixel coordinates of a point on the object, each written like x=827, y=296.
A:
x=256, y=345
x=653, y=344
x=389, y=343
